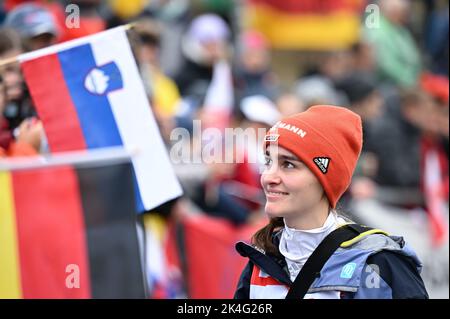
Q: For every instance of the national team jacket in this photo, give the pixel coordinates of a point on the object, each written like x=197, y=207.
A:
x=370, y=266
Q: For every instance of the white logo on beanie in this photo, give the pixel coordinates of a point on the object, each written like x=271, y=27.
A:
x=271, y=138
x=289, y=127
x=322, y=163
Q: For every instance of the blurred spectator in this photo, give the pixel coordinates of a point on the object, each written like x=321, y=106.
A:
x=205, y=80
x=363, y=97
x=232, y=190
x=289, y=104
x=216, y=200
x=204, y=44
x=317, y=89
x=363, y=57
x=162, y=90
x=18, y=102
x=334, y=65
x=260, y=110
x=398, y=58
x=35, y=24
x=253, y=75
x=437, y=137
x=10, y=45
x=435, y=159
x=260, y=113
x=436, y=86
x=7, y=50
x=396, y=139
x=365, y=100
x=436, y=37
x=6, y=136
x=28, y=134
x=17, y=112
x=317, y=86
x=174, y=16
x=204, y=186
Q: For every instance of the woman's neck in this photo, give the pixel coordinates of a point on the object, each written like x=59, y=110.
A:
x=314, y=218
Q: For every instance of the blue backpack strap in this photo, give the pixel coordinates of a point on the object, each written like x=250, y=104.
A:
x=321, y=254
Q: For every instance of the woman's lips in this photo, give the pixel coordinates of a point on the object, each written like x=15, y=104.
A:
x=275, y=195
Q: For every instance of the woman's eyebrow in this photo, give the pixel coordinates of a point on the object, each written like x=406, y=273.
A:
x=285, y=157
x=288, y=157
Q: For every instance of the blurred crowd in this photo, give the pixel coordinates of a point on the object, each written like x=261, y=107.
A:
x=199, y=62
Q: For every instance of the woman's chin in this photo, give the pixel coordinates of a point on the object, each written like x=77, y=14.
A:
x=273, y=212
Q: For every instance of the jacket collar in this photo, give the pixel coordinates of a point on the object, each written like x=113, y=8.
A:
x=271, y=264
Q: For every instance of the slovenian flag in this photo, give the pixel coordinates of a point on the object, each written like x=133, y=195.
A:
x=68, y=229
x=88, y=94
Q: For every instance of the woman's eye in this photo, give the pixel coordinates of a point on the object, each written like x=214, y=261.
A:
x=267, y=161
x=288, y=165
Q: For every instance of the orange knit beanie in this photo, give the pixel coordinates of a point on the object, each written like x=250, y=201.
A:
x=327, y=139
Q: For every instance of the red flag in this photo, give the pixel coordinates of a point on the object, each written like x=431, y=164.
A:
x=213, y=265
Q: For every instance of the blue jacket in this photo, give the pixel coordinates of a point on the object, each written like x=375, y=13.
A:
x=371, y=266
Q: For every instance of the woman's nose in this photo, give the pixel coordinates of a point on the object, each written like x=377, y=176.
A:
x=270, y=176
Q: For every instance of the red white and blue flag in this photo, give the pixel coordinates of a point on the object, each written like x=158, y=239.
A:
x=89, y=95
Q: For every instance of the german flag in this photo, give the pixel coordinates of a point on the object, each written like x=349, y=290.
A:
x=69, y=231
x=306, y=24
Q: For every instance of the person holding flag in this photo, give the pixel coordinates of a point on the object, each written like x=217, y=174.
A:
x=308, y=249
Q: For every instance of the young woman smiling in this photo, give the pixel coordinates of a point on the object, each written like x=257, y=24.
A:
x=310, y=159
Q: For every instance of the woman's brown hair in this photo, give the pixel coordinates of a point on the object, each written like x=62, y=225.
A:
x=263, y=237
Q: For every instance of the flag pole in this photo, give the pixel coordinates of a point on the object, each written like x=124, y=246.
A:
x=11, y=60
x=130, y=25
x=15, y=59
